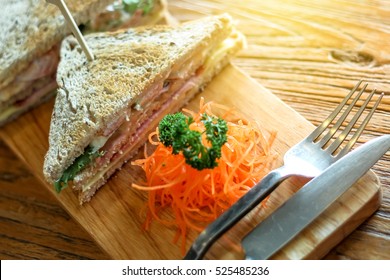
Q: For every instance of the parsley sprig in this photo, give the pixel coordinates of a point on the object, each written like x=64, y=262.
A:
x=175, y=132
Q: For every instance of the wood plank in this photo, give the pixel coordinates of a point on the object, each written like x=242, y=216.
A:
x=113, y=216
x=32, y=223
x=290, y=47
x=284, y=56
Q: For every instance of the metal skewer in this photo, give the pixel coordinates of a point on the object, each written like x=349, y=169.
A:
x=72, y=24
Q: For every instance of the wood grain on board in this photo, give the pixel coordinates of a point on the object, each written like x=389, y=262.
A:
x=309, y=54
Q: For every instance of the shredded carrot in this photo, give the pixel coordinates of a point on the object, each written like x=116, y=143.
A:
x=196, y=198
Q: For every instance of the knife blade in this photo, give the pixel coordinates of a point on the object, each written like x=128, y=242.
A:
x=311, y=200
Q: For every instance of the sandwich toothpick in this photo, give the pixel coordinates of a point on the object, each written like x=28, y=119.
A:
x=72, y=24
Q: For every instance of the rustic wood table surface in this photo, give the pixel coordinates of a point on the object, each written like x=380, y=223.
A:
x=308, y=53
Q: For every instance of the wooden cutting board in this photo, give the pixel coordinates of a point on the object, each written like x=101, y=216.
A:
x=114, y=217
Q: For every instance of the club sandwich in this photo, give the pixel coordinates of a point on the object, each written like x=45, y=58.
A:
x=30, y=35
x=105, y=108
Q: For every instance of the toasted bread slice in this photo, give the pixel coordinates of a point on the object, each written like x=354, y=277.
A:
x=138, y=76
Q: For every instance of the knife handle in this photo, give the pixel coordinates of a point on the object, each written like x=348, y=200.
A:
x=236, y=212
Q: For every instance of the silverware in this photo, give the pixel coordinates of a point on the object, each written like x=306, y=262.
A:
x=311, y=200
x=308, y=158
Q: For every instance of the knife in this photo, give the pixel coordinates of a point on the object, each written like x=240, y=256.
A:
x=311, y=200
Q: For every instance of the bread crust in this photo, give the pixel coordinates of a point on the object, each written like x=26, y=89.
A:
x=92, y=95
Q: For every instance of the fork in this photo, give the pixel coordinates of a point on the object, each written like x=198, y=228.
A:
x=308, y=159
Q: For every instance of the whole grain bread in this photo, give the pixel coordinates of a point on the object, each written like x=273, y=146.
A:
x=30, y=28
x=92, y=95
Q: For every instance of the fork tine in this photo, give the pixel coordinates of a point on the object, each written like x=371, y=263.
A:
x=340, y=121
x=321, y=128
x=357, y=134
x=333, y=147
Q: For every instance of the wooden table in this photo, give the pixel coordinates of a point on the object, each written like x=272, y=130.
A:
x=308, y=54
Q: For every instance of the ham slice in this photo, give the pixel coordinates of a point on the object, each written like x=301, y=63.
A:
x=41, y=67
x=127, y=133
x=30, y=86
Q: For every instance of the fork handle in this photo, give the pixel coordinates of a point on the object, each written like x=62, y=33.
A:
x=236, y=212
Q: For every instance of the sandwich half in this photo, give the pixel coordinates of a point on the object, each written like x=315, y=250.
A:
x=105, y=108
x=30, y=35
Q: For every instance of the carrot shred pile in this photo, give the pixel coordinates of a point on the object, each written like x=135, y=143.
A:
x=196, y=198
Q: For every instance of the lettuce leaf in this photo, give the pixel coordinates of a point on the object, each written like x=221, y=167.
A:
x=79, y=164
x=131, y=6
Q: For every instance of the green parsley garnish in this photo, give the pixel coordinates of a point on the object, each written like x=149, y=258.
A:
x=175, y=132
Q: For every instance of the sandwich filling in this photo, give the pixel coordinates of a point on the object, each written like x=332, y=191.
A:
x=126, y=13
x=37, y=81
x=30, y=85
x=105, y=152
